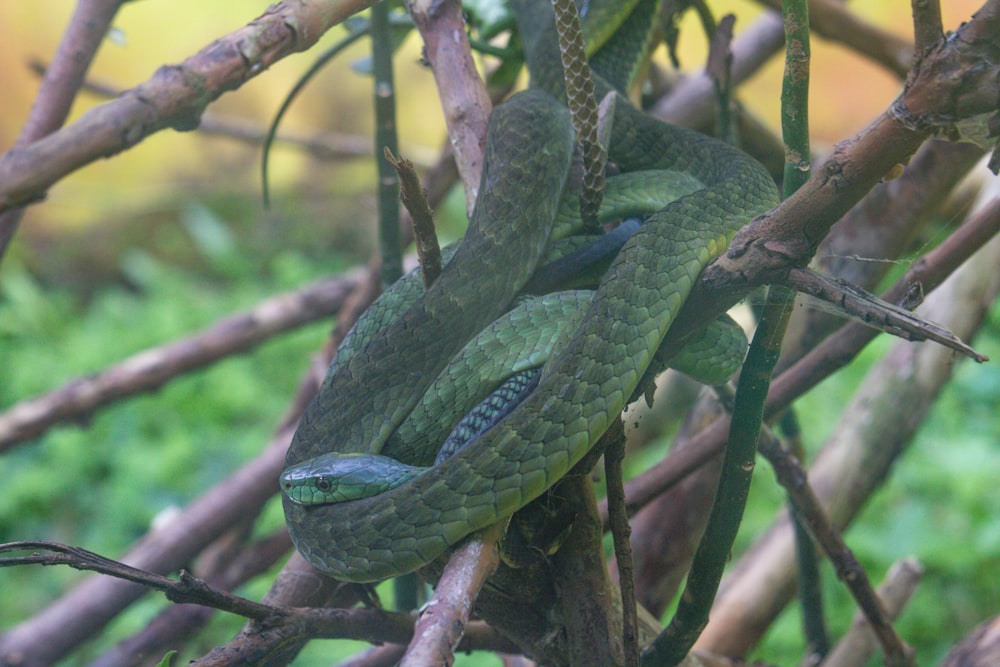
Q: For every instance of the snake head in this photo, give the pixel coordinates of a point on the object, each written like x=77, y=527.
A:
x=335, y=478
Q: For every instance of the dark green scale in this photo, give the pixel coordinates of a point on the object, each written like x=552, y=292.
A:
x=336, y=477
x=489, y=412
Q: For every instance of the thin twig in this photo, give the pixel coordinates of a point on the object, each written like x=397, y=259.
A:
x=286, y=104
x=808, y=507
x=690, y=102
x=858, y=643
x=177, y=624
x=850, y=301
x=807, y=560
x=614, y=454
x=188, y=589
x=720, y=69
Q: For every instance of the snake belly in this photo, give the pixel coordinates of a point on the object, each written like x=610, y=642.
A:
x=585, y=383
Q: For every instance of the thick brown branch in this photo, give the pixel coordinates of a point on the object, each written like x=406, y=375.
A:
x=443, y=620
x=174, y=97
x=954, y=81
x=463, y=94
x=322, y=146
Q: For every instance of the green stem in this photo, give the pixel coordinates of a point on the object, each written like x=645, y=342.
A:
x=673, y=644
x=390, y=245
x=739, y=458
x=795, y=134
x=795, y=96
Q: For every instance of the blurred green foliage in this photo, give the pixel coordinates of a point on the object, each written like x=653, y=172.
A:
x=102, y=293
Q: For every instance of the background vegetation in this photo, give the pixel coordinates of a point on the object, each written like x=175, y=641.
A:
x=160, y=242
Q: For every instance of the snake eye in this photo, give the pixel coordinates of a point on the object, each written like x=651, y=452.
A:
x=323, y=484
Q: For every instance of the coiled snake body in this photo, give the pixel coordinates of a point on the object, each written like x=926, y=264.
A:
x=588, y=378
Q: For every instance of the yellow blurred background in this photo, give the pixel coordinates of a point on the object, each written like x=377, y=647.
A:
x=848, y=92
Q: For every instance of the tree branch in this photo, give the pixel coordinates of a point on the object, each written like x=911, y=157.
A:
x=152, y=368
x=174, y=97
x=84, y=35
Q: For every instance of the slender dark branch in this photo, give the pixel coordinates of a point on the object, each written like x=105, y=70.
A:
x=614, y=454
x=927, y=28
x=188, y=589
x=364, y=624
x=807, y=506
x=810, y=582
x=230, y=562
x=390, y=248
x=672, y=645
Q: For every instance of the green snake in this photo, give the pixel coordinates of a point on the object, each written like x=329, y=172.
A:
x=591, y=368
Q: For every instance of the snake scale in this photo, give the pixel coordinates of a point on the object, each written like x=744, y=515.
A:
x=591, y=374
